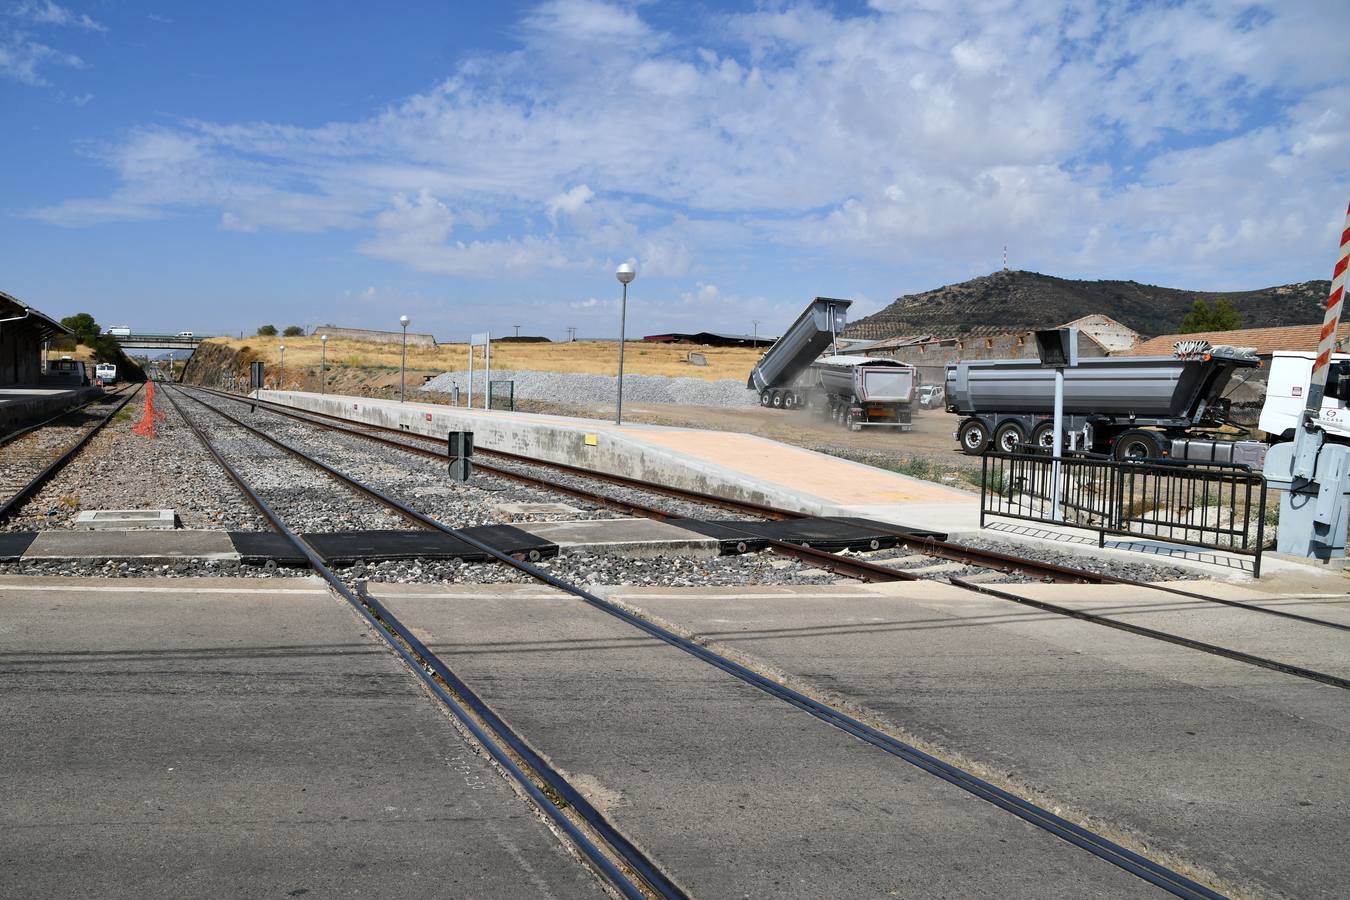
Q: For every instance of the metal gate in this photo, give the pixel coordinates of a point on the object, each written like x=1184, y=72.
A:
x=1217, y=506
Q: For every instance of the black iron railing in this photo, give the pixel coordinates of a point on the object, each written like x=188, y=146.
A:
x=1214, y=505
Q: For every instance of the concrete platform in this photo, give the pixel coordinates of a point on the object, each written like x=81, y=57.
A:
x=1221, y=767
x=736, y=793
x=222, y=738
x=734, y=465
x=25, y=404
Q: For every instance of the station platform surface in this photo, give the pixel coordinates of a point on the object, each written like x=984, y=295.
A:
x=238, y=738
x=734, y=465
x=25, y=404
x=1226, y=770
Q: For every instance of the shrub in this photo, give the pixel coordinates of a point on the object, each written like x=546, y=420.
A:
x=267, y=331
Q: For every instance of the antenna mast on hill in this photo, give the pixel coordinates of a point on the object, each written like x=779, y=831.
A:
x=1005, y=257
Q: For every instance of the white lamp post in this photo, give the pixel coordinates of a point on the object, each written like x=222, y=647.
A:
x=625, y=273
x=281, y=378
x=323, y=364
x=403, y=364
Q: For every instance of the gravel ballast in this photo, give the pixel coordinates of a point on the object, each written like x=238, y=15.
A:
x=585, y=388
x=119, y=469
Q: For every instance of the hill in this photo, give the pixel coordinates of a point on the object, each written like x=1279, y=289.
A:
x=1017, y=301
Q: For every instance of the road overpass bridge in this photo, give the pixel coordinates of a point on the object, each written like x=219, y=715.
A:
x=158, y=341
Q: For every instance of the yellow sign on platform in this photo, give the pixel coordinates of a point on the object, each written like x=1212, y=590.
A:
x=591, y=440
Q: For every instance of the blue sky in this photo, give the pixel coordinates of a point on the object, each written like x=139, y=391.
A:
x=476, y=166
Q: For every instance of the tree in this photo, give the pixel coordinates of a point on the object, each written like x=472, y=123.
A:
x=84, y=326
x=1222, y=316
x=267, y=331
x=291, y=331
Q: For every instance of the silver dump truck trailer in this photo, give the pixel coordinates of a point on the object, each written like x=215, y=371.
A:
x=1132, y=407
x=855, y=391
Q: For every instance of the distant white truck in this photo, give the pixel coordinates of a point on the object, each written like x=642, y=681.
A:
x=120, y=331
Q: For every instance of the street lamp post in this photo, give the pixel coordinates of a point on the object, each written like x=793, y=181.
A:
x=625, y=273
x=323, y=364
x=281, y=377
x=403, y=364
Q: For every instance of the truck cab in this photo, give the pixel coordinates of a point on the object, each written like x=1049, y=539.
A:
x=1286, y=395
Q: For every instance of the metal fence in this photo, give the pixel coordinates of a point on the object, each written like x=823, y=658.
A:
x=1219, y=506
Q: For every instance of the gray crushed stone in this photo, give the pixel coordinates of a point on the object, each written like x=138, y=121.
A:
x=424, y=484
x=585, y=388
x=119, y=469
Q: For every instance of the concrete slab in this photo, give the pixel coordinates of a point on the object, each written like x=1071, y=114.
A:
x=1231, y=769
x=1285, y=640
x=630, y=537
x=143, y=546
x=735, y=792
x=123, y=519
x=239, y=739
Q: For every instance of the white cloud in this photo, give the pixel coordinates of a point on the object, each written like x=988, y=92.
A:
x=21, y=58
x=45, y=12
x=1196, y=138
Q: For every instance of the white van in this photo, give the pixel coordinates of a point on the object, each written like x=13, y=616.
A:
x=186, y=334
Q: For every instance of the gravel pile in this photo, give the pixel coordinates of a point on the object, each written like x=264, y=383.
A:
x=583, y=388
x=119, y=469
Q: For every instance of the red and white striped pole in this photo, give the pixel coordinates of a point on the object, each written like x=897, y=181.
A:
x=1330, y=323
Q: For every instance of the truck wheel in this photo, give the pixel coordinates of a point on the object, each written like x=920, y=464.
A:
x=1008, y=436
x=1137, y=445
x=851, y=421
x=1043, y=435
x=777, y=399
x=765, y=399
x=973, y=437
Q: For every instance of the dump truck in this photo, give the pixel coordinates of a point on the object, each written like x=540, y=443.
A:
x=855, y=391
x=1139, y=407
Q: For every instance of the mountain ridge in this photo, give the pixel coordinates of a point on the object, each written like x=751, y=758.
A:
x=1016, y=300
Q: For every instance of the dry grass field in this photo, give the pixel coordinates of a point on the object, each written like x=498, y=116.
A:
x=596, y=357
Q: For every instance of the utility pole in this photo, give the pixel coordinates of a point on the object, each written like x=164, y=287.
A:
x=756, y=338
x=571, y=333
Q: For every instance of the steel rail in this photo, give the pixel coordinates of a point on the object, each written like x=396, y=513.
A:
x=1190, y=643
x=687, y=494
x=12, y=504
x=1098, y=845
x=859, y=569
x=419, y=659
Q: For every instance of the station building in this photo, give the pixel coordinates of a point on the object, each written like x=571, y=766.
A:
x=23, y=331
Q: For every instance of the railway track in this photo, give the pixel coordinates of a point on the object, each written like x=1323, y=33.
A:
x=622, y=864
x=573, y=480
x=30, y=457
